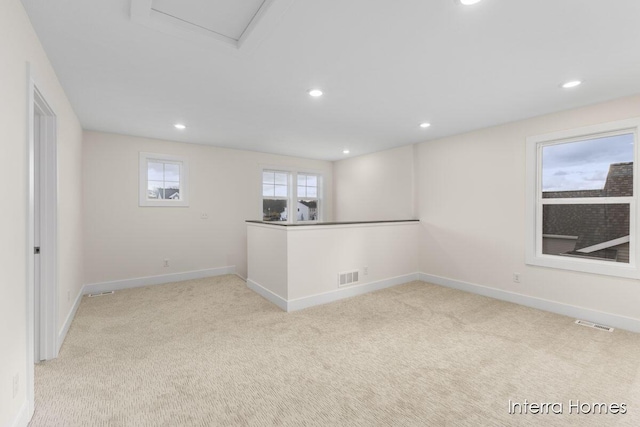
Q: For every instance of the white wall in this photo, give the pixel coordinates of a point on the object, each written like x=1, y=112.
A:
x=296, y=267
x=19, y=45
x=268, y=257
x=125, y=241
x=376, y=186
x=471, y=191
x=317, y=254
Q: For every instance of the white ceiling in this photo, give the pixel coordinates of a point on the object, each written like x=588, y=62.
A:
x=385, y=67
x=229, y=18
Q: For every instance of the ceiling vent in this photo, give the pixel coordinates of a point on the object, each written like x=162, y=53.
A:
x=594, y=325
x=230, y=22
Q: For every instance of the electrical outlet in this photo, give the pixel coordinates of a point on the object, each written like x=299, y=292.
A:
x=166, y=263
x=204, y=215
x=516, y=277
x=365, y=271
x=16, y=383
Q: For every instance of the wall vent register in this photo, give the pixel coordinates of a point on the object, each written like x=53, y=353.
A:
x=348, y=278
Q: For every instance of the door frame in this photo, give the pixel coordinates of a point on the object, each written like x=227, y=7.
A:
x=47, y=139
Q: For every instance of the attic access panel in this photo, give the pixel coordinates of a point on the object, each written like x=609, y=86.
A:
x=235, y=23
x=228, y=18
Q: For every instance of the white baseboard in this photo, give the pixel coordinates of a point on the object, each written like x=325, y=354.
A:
x=331, y=296
x=609, y=319
x=348, y=292
x=117, y=285
x=267, y=294
x=67, y=323
x=22, y=417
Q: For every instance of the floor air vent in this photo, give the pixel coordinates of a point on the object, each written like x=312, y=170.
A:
x=347, y=278
x=101, y=294
x=594, y=325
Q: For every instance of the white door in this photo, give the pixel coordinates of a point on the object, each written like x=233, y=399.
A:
x=37, y=215
x=44, y=176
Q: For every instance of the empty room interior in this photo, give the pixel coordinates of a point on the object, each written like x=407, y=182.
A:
x=332, y=213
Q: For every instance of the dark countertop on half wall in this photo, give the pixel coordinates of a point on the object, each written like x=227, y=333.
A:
x=303, y=224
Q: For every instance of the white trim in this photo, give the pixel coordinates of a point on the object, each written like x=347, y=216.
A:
x=116, y=285
x=348, y=292
x=267, y=294
x=67, y=323
x=535, y=202
x=617, y=127
x=615, y=320
x=559, y=236
x=330, y=296
x=604, y=245
x=48, y=228
x=22, y=418
x=587, y=201
x=30, y=367
x=143, y=171
x=49, y=233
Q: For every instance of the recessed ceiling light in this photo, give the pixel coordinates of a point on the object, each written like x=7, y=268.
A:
x=469, y=2
x=315, y=92
x=179, y=126
x=425, y=125
x=345, y=151
x=571, y=84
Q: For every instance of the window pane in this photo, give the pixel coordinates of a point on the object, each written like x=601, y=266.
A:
x=307, y=210
x=302, y=180
x=599, y=167
x=302, y=191
x=312, y=180
x=155, y=171
x=172, y=193
x=281, y=178
x=312, y=192
x=268, y=190
x=172, y=190
x=586, y=231
x=155, y=190
x=268, y=177
x=172, y=172
x=274, y=210
x=281, y=191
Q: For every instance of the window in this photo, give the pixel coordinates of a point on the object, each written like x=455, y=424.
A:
x=307, y=209
x=291, y=196
x=275, y=195
x=581, y=199
x=163, y=180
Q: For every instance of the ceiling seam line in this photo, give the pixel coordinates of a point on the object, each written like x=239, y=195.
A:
x=195, y=25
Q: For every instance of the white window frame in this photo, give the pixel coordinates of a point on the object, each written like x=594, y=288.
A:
x=534, y=201
x=145, y=158
x=318, y=199
x=292, y=192
x=287, y=198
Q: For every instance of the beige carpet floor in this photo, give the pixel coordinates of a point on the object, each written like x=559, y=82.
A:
x=210, y=352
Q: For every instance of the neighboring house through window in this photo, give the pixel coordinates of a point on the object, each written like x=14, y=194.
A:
x=581, y=199
x=163, y=180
